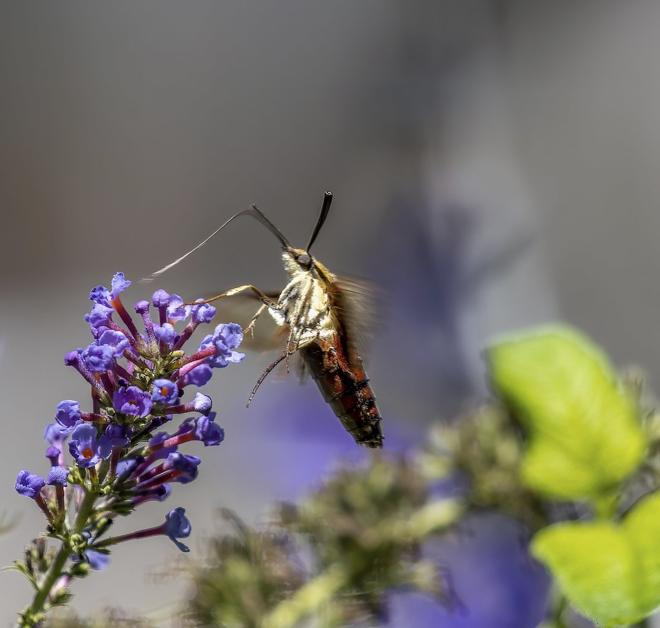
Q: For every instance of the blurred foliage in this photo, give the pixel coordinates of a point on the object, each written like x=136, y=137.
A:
x=245, y=574
x=610, y=570
x=568, y=449
x=485, y=449
x=107, y=618
x=360, y=536
x=7, y=522
x=584, y=433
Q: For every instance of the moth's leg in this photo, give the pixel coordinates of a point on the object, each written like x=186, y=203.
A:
x=266, y=302
x=250, y=327
x=264, y=375
x=262, y=296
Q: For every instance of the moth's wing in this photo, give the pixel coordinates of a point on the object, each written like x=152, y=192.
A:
x=300, y=367
x=356, y=304
x=240, y=308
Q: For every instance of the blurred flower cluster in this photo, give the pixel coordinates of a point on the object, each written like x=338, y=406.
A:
x=334, y=558
x=484, y=449
x=118, y=456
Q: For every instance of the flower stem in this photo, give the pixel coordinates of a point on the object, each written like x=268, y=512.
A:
x=85, y=510
x=140, y=534
x=32, y=615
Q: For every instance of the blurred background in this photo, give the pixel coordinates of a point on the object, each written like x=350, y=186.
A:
x=494, y=164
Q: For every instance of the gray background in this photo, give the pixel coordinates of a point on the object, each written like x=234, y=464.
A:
x=494, y=163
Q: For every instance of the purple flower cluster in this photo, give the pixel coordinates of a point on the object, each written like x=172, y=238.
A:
x=120, y=456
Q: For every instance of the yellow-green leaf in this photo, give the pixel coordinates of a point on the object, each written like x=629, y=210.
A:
x=585, y=435
x=609, y=572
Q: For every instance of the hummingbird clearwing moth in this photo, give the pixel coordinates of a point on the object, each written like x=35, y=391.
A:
x=322, y=316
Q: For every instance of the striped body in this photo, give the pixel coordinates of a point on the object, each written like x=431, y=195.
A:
x=312, y=308
x=346, y=388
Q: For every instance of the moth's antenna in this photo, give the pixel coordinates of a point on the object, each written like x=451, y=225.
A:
x=253, y=211
x=261, y=217
x=327, y=201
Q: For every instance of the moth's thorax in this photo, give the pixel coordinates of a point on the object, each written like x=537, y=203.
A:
x=304, y=304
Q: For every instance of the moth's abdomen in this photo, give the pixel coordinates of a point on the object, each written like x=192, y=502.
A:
x=345, y=387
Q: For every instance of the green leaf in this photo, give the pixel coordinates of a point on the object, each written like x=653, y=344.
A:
x=585, y=436
x=609, y=572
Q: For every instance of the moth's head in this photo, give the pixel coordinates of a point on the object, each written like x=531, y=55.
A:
x=297, y=260
x=300, y=260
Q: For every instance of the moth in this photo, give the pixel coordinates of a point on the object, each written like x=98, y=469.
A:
x=322, y=316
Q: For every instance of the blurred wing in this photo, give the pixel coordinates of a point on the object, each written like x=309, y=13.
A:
x=301, y=368
x=355, y=302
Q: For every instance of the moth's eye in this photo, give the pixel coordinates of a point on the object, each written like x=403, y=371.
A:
x=304, y=260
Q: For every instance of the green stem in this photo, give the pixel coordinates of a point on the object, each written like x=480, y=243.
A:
x=86, y=508
x=33, y=614
x=307, y=600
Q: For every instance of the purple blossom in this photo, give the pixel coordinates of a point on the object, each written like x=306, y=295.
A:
x=203, y=312
x=72, y=358
x=225, y=338
x=165, y=333
x=85, y=447
x=177, y=527
x=57, y=476
x=118, y=284
x=100, y=295
x=68, y=413
x=116, y=340
x=202, y=403
x=114, y=436
x=53, y=454
x=185, y=466
x=29, y=484
x=204, y=429
x=118, y=365
x=56, y=434
x=126, y=466
x=97, y=560
x=198, y=376
x=160, y=298
x=177, y=310
x=99, y=316
x=160, y=493
x=132, y=400
x=98, y=358
x=208, y=431
x=164, y=391
x=158, y=451
x=141, y=307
